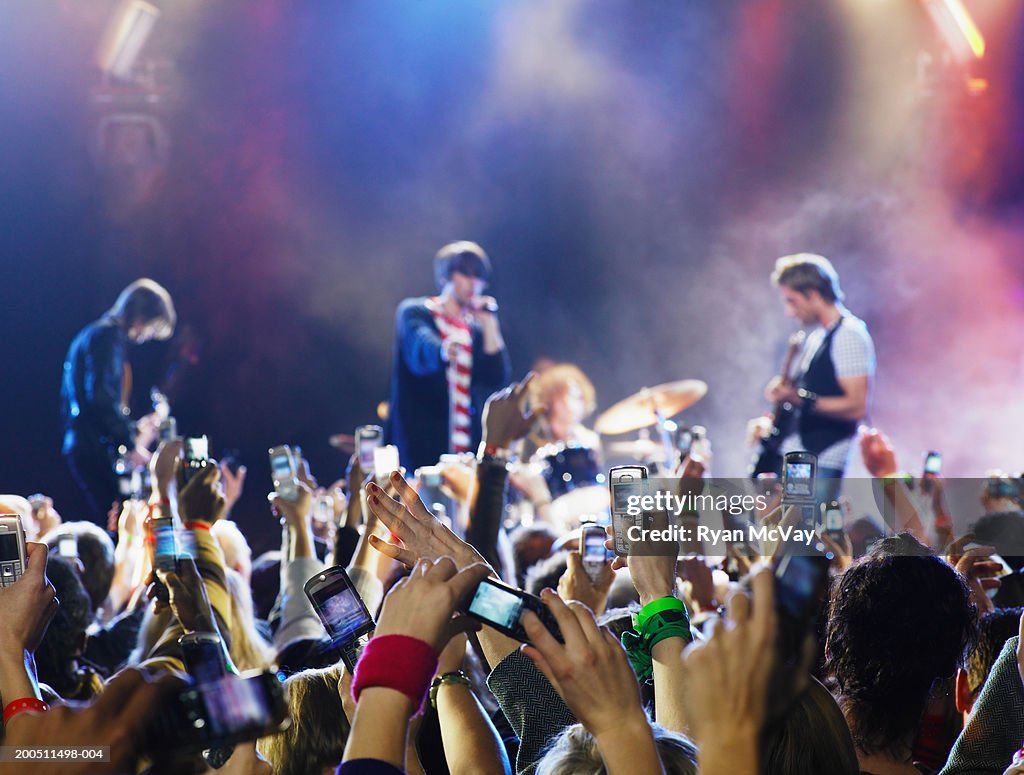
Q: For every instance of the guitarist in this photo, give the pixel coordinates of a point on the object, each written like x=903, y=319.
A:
x=830, y=389
x=95, y=388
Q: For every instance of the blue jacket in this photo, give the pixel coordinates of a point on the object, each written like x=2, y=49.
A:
x=418, y=418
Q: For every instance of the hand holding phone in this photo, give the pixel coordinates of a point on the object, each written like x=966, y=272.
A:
x=195, y=454
x=343, y=613
x=502, y=607
x=626, y=484
x=834, y=521
x=284, y=472
x=368, y=438
x=592, y=550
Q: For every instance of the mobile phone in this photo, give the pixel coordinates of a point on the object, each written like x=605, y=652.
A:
x=500, y=606
x=13, y=554
x=323, y=508
x=799, y=471
x=283, y=472
x=67, y=546
x=385, y=460
x=368, y=438
x=834, y=521
x=165, y=555
x=801, y=580
x=592, y=550
x=344, y=614
x=933, y=464
x=626, y=484
x=168, y=429
x=218, y=713
x=204, y=656
x=195, y=454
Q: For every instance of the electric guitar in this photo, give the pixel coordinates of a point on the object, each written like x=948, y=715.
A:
x=768, y=459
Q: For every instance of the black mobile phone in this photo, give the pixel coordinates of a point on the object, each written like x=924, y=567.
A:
x=344, y=614
x=501, y=607
x=368, y=438
x=195, y=453
x=801, y=580
x=933, y=464
x=204, y=656
x=592, y=550
x=219, y=713
x=834, y=521
x=626, y=485
x=799, y=474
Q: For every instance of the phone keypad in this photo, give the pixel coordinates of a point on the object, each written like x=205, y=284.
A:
x=10, y=572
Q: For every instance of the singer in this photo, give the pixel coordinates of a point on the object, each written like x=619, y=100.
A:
x=449, y=356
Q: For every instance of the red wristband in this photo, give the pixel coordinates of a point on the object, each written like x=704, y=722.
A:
x=197, y=525
x=397, y=662
x=14, y=707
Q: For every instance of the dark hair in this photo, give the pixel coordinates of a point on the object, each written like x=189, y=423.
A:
x=146, y=301
x=994, y=629
x=806, y=272
x=464, y=257
x=96, y=551
x=1005, y=531
x=899, y=620
x=546, y=573
x=811, y=738
x=64, y=638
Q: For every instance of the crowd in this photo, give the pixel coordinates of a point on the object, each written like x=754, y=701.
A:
x=657, y=664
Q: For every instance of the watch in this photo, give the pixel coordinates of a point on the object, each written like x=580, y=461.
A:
x=454, y=677
x=808, y=398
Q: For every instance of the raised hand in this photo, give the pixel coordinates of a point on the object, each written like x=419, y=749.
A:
x=503, y=418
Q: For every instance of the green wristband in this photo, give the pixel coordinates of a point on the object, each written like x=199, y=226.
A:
x=669, y=603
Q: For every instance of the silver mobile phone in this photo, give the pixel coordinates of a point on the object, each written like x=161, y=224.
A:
x=626, y=485
x=284, y=473
x=13, y=554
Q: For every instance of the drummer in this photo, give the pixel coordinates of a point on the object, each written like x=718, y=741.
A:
x=568, y=397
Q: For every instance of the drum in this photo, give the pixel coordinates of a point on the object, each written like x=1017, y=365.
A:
x=567, y=468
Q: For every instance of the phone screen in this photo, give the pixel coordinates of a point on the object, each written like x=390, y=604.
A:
x=368, y=438
x=623, y=490
x=9, y=546
x=341, y=610
x=281, y=468
x=166, y=548
x=197, y=448
x=385, y=460
x=593, y=546
x=799, y=479
x=68, y=546
x=497, y=605
x=933, y=463
x=834, y=520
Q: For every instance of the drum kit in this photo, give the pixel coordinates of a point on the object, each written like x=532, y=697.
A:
x=573, y=473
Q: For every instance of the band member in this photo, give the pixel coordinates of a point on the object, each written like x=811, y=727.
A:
x=568, y=398
x=449, y=356
x=831, y=385
x=95, y=388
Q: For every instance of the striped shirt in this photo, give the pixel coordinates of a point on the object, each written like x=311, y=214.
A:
x=459, y=374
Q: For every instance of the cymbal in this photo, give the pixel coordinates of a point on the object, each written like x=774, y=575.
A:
x=638, y=449
x=637, y=411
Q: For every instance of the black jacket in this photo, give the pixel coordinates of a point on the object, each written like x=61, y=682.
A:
x=90, y=393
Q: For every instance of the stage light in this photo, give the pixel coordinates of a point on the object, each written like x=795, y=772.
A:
x=958, y=28
x=124, y=37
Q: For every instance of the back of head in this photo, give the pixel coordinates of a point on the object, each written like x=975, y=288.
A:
x=319, y=730
x=145, y=301
x=806, y=272
x=898, y=622
x=994, y=629
x=462, y=256
x=1005, y=531
x=249, y=649
x=65, y=637
x=812, y=738
x=237, y=554
x=546, y=573
x=96, y=551
x=575, y=752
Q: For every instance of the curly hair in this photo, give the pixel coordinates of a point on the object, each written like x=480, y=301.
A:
x=56, y=657
x=557, y=379
x=900, y=619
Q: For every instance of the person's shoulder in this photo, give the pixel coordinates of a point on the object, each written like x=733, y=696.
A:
x=413, y=305
x=854, y=327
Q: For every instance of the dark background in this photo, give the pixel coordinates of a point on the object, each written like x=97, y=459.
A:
x=633, y=169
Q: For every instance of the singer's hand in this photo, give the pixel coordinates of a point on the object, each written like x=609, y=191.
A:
x=482, y=306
